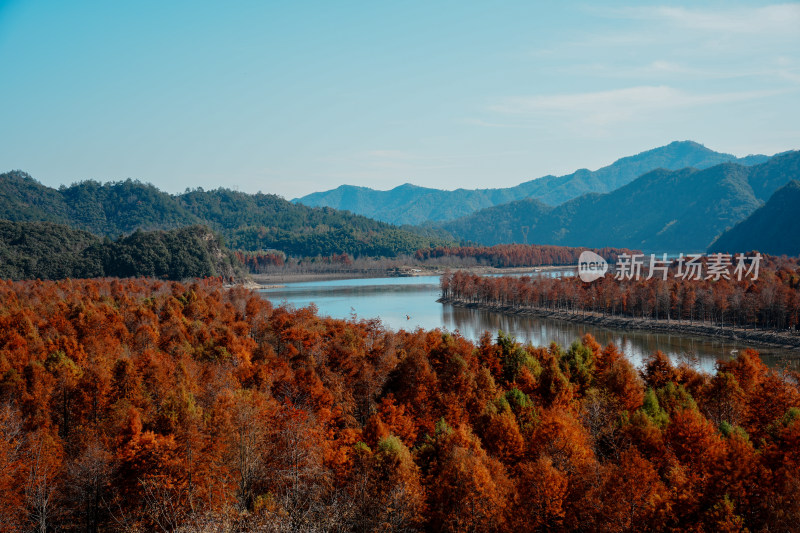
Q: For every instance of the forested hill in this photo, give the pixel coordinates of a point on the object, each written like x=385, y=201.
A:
x=410, y=204
x=247, y=221
x=774, y=228
x=44, y=250
x=664, y=210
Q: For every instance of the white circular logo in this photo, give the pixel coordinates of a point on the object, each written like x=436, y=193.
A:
x=591, y=266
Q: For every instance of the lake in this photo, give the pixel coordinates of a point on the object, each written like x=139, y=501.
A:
x=410, y=303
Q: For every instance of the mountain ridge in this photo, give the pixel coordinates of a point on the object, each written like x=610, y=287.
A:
x=404, y=205
x=663, y=210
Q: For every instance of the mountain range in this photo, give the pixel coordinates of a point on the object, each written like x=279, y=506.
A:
x=663, y=210
x=684, y=209
x=411, y=204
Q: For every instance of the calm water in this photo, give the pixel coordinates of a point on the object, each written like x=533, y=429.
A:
x=410, y=303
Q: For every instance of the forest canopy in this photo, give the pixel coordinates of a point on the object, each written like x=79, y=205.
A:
x=136, y=405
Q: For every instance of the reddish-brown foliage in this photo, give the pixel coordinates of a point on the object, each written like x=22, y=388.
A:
x=772, y=301
x=151, y=406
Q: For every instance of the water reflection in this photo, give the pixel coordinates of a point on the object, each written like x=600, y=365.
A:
x=636, y=344
x=410, y=303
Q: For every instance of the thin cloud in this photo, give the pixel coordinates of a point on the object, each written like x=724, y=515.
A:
x=789, y=75
x=660, y=69
x=691, y=33
x=771, y=19
x=605, y=107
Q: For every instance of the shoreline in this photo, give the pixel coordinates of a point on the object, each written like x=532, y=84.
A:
x=277, y=279
x=761, y=337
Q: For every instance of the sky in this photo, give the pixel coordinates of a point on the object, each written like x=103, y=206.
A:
x=295, y=97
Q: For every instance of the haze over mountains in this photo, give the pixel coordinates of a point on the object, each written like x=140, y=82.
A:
x=411, y=204
x=663, y=210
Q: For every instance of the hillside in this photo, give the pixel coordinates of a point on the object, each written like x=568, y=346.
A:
x=248, y=221
x=774, y=228
x=44, y=250
x=30, y=250
x=514, y=222
x=663, y=210
x=410, y=204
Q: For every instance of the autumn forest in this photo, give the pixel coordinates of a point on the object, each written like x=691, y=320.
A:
x=135, y=405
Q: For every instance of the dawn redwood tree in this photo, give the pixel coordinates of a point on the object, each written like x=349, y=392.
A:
x=467, y=489
x=13, y=450
x=634, y=495
x=541, y=491
x=88, y=477
x=723, y=400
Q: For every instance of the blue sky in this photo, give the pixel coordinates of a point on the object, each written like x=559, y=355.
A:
x=295, y=97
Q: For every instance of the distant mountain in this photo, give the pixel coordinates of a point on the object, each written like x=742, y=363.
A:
x=409, y=204
x=774, y=228
x=683, y=210
x=246, y=221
